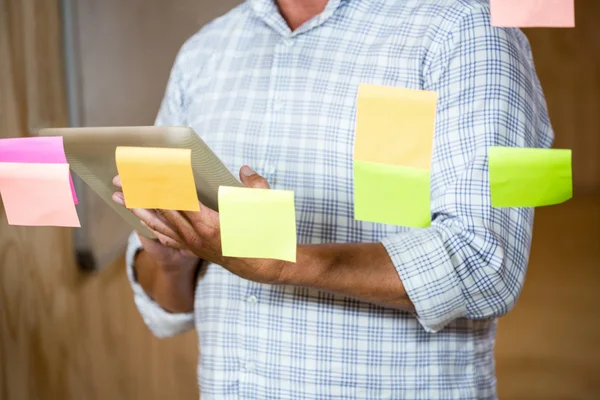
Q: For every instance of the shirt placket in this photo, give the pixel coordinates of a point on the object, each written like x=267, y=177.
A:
x=253, y=293
x=278, y=109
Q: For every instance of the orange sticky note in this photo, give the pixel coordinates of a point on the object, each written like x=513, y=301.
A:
x=533, y=13
x=395, y=126
x=159, y=178
x=37, y=194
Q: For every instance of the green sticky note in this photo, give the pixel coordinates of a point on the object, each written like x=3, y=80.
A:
x=391, y=194
x=257, y=223
x=522, y=177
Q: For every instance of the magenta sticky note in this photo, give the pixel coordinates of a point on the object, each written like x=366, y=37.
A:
x=36, y=194
x=48, y=149
x=533, y=13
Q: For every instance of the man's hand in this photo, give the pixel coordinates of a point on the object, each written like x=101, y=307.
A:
x=165, y=270
x=199, y=233
x=360, y=270
x=166, y=251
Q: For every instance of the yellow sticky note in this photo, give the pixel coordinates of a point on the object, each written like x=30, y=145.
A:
x=160, y=178
x=395, y=126
x=257, y=223
x=390, y=194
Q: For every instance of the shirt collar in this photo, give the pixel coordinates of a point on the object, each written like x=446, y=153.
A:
x=267, y=11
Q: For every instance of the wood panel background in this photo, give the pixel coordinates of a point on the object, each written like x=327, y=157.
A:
x=70, y=336
x=548, y=347
x=65, y=334
x=568, y=65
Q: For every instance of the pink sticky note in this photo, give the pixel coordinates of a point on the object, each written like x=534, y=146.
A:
x=41, y=149
x=533, y=13
x=36, y=194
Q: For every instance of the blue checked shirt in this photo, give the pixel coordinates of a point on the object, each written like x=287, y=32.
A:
x=284, y=103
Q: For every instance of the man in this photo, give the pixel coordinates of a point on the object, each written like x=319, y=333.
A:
x=368, y=311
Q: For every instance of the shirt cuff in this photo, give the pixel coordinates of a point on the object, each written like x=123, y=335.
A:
x=428, y=276
x=161, y=322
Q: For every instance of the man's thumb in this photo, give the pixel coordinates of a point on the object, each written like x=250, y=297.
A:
x=253, y=180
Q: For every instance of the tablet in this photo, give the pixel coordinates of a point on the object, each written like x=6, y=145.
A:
x=91, y=155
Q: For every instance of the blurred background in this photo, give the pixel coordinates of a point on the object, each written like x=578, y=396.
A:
x=71, y=333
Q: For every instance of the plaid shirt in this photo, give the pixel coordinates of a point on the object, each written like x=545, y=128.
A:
x=284, y=103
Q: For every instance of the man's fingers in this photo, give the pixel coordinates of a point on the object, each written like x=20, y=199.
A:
x=252, y=179
x=167, y=241
x=181, y=224
x=192, y=228
x=155, y=223
x=118, y=198
x=162, y=239
x=159, y=215
x=206, y=217
x=117, y=182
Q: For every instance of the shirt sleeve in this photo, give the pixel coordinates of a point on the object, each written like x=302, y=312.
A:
x=160, y=322
x=171, y=113
x=471, y=261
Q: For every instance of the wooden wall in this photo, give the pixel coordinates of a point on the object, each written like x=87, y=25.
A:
x=548, y=346
x=568, y=64
x=68, y=335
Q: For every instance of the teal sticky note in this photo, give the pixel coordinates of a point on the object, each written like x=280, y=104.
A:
x=525, y=177
x=391, y=194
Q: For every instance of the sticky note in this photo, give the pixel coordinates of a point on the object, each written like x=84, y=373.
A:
x=395, y=126
x=157, y=178
x=36, y=194
x=257, y=223
x=392, y=155
x=522, y=177
x=35, y=150
x=391, y=194
x=533, y=13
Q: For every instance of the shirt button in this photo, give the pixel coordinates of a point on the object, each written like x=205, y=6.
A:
x=252, y=300
x=278, y=105
x=288, y=42
x=249, y=366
